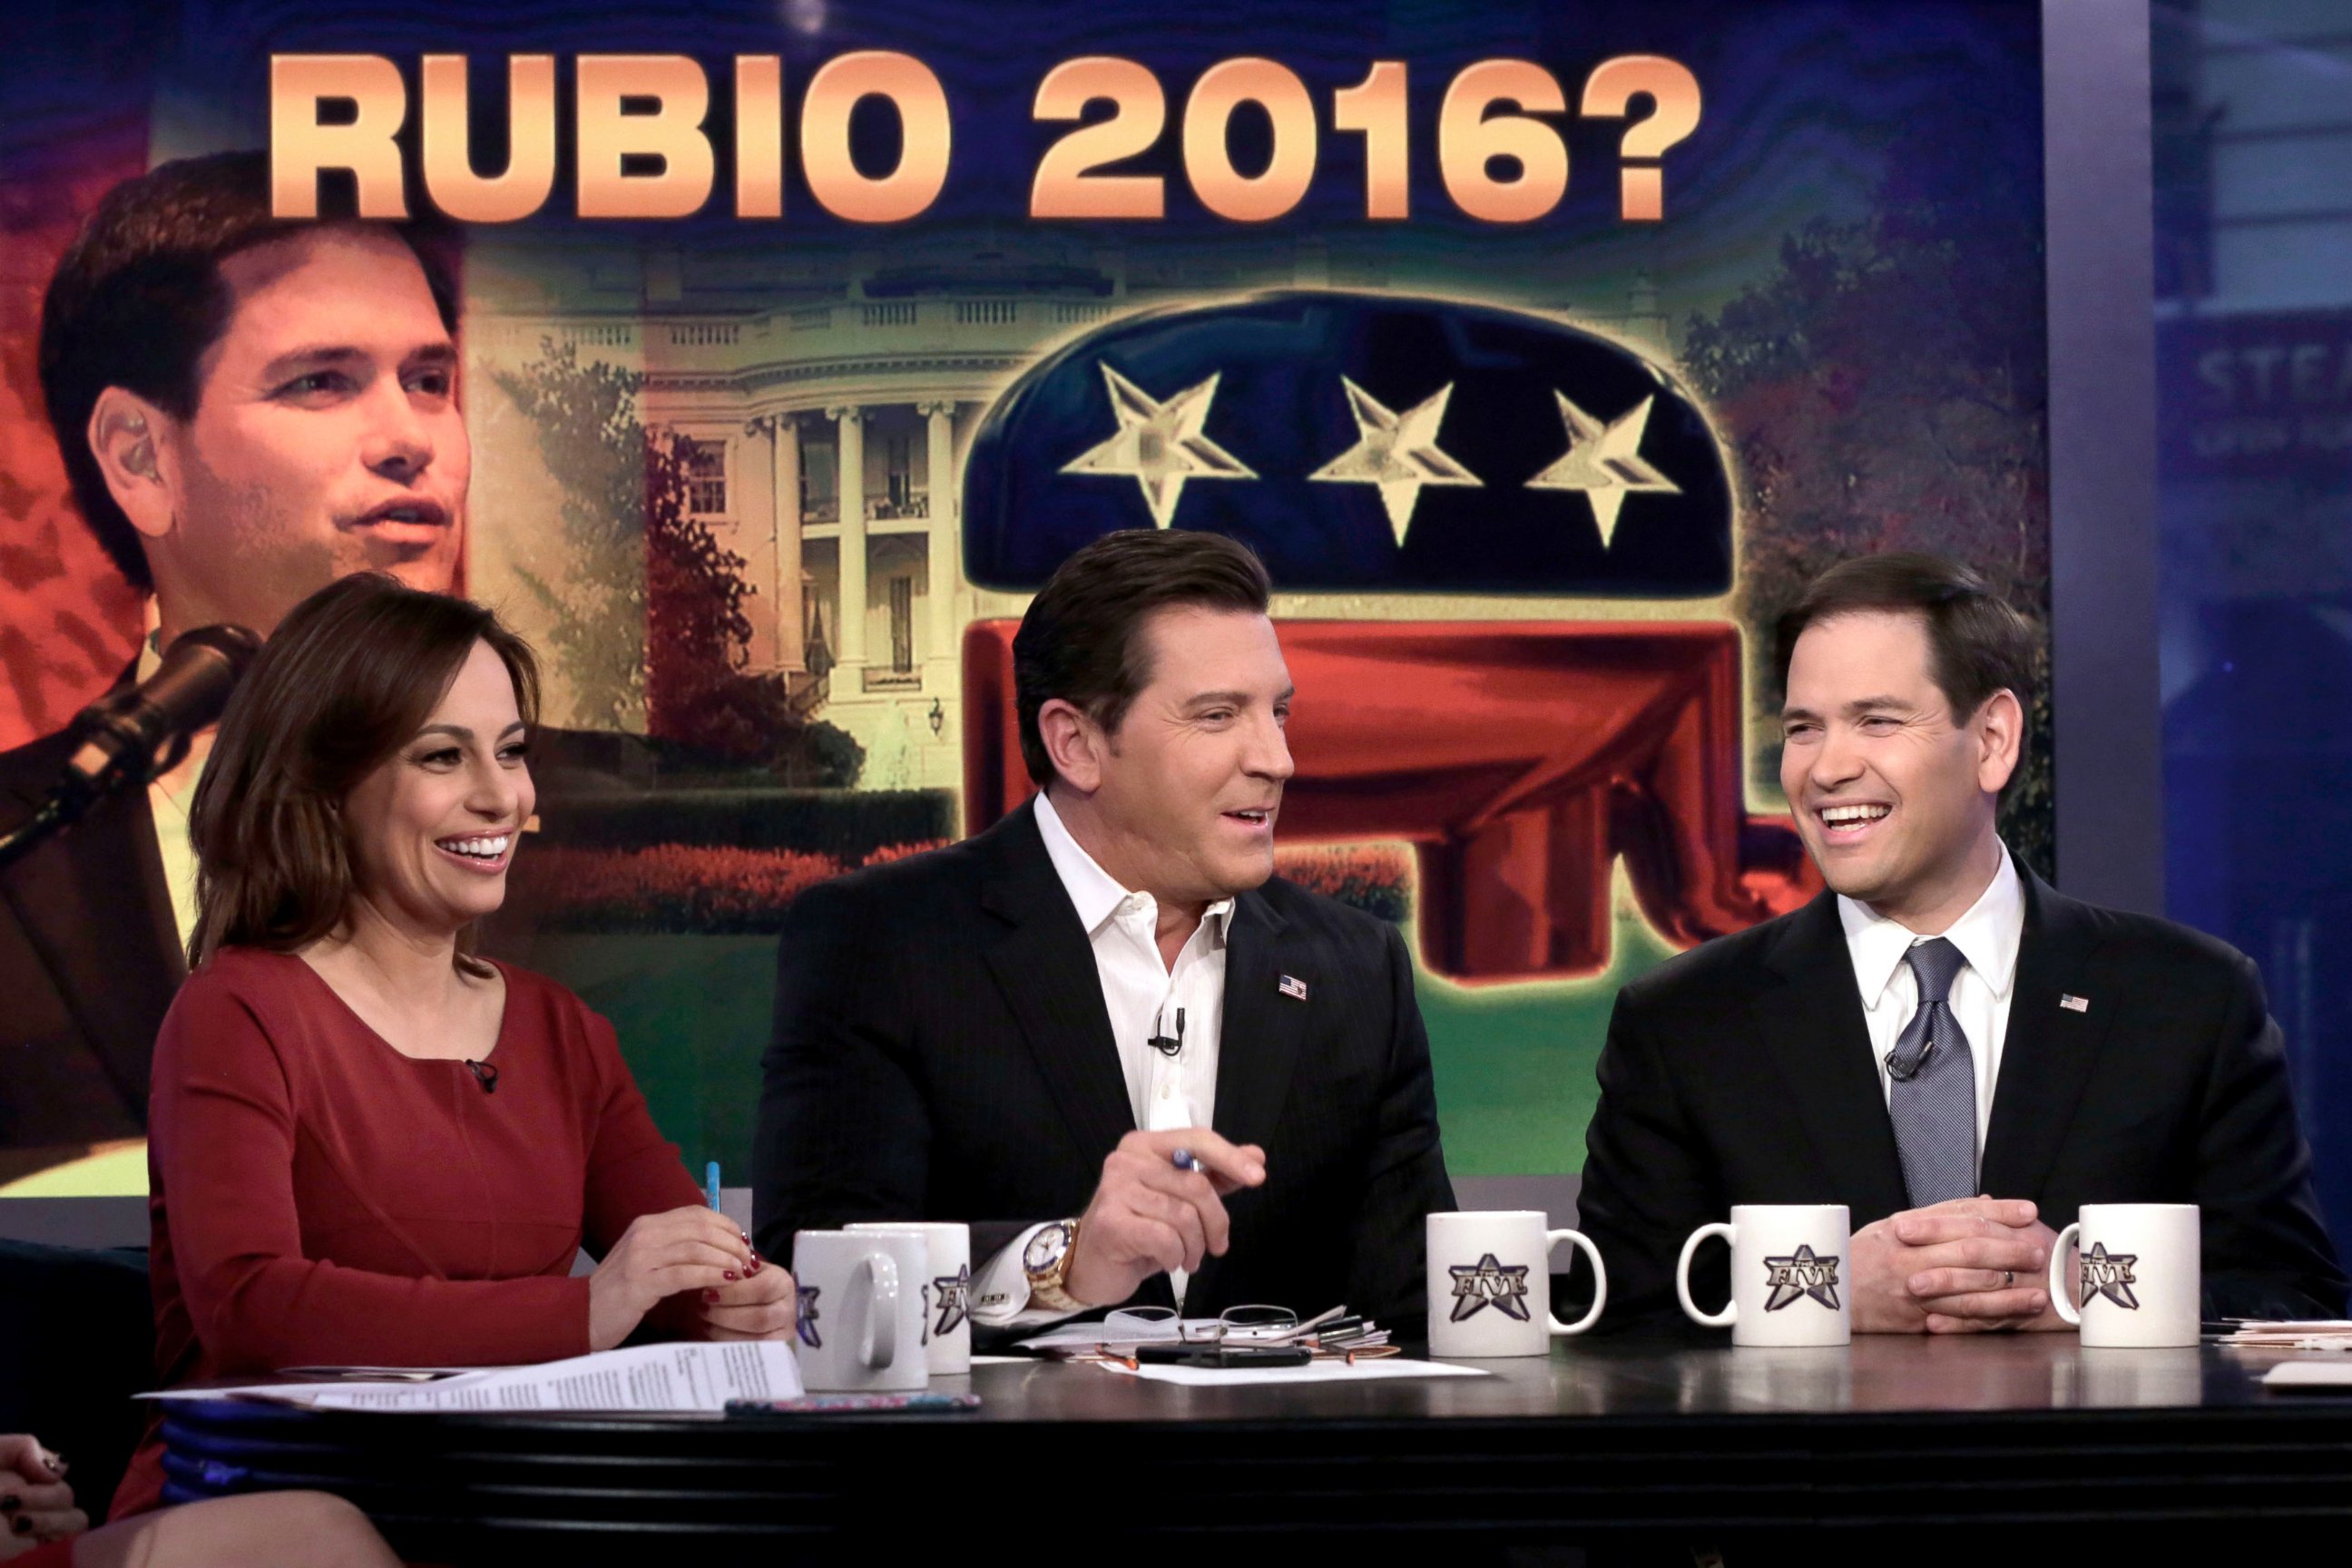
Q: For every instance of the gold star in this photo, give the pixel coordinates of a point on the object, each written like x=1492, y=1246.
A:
x=1397, y=452
x=1160, y=444
x=1605, y=462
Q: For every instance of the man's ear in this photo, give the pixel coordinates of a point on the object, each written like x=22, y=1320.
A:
x=125, y=437
x=2000, y=736
x=1075, y=743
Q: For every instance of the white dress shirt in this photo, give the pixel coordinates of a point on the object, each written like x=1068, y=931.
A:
x=168, y=799
x=1987, y=936
x=1144, y=998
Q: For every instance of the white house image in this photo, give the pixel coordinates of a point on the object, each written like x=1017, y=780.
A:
x=833, y=397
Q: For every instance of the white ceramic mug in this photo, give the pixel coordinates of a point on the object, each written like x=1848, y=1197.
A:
x=1490, y=1283
x=1789, y=1279
x=861, y=1327
x=944, y=1283
x=2137, y=1275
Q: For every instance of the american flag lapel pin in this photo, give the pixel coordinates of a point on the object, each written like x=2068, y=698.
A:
x=2073, y=1004
x=1290, y=985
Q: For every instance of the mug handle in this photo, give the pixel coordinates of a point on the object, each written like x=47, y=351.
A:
x=2065, y=1300
x=1730, y=1313
x=881, y=1346
x=1600, y=1280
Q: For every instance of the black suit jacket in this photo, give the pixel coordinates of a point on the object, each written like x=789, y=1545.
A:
x=942, y=1051
x=89, y=958
x=1740, y=1073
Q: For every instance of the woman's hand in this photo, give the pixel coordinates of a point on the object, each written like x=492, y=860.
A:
x=36, y=1504
x=660, y=1255
x=763, y=1305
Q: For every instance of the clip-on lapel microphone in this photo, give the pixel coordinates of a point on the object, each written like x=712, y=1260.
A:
x=1161, y=1043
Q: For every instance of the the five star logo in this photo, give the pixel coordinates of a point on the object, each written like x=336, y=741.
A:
x=2109, y=1274
x=1488, y=1283
x=1796, y=1275
x=1605, y=461
x=1398, y=452
x=1160, y=444
x=951, y=1298
x=808, y=1295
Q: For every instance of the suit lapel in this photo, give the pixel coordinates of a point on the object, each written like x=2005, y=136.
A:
x=94, y=906
x=2047, y=1053
x=1813, y=1025
x=1258, y=1040
x=1046, y=972
x=1257, y=1048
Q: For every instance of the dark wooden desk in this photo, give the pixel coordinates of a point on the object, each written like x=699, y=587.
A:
x=1622, y=1441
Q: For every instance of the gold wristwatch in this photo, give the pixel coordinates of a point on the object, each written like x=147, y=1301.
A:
x=1047, y=1261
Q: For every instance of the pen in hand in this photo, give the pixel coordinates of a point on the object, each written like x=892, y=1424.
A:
x=1184, y=1159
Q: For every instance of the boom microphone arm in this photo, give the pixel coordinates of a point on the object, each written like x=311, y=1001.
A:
x=142, y=732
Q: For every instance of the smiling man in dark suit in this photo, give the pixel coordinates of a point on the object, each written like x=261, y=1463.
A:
x=1941, y=1042
x=1026, y=1030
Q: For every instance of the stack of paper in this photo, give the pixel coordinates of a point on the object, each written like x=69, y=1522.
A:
x=1333, y=1330
x=2329, y=1373
x=1321, y=1370
x=1082, y=1338
x=2317, y=1334
x=650, y=1379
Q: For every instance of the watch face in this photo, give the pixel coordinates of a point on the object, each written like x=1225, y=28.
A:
x=1045, y=1248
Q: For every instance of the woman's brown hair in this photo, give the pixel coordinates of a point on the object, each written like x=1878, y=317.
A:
x=348, y=679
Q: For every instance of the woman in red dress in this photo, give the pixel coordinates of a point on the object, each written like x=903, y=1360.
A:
x=367, y=1146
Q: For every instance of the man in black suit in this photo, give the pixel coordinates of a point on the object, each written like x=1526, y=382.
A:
x=1941, y=1042
x=248, y=408
x=1026, y=1031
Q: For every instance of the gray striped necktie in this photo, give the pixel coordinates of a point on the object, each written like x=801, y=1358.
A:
x=1933, y=1097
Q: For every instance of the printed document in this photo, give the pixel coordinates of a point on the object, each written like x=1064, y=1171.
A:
x=648, y=1380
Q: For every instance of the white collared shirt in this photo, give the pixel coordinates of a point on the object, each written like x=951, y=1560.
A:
x=1143, y=997
x=1140, y=992
x=168, y=799
x=1987, y=936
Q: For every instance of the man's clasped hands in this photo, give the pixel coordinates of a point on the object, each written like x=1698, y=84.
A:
x=1969, y=1266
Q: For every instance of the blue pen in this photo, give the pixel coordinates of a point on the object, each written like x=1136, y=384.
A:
x=710, y=1183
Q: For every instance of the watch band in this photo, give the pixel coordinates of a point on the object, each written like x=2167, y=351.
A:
x=1045, y=1288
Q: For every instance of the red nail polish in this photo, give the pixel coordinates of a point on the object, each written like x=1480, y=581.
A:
x=747, y=1240
x=730, y=1274
x=710, y=1297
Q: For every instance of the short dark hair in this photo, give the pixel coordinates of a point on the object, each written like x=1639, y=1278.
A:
x=1080, y=640
x=348, y=679
x=138, y=298
x=1978, y=643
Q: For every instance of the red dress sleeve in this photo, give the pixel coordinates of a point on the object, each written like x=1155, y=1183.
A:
x=223, y=1131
